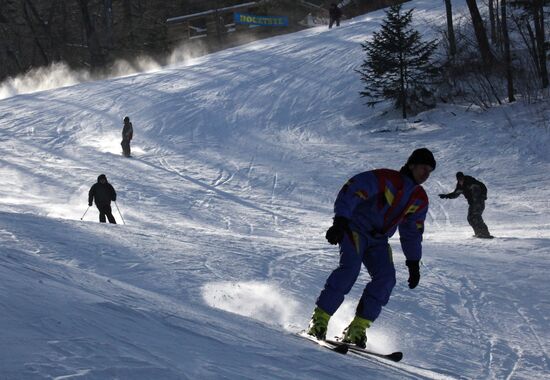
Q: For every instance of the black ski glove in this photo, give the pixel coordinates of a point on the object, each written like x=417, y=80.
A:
x=414, y=272
x=336, y=232
x=443, y=196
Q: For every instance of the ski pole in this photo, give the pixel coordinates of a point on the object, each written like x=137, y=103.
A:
x=85, y=213
x=123, y=222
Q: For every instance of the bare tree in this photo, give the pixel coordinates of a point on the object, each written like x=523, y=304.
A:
x=492, y=20
x=481, y=35
x=97, y=57
x=450, y=28
x=538, y=19
x=535, y=8
x=39, y=28
x=499, y=25
x=507, y=56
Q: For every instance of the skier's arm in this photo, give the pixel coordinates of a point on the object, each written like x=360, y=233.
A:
x=357, y=190
x=90, y=196
x=410, y=233
x=455, y=194
x=113, y=193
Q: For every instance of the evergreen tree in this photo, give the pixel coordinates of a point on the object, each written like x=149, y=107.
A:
x=398, y=64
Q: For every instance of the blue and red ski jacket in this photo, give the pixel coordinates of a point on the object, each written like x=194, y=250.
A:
x=379, y=201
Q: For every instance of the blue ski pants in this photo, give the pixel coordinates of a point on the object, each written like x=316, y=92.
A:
x=377, y=258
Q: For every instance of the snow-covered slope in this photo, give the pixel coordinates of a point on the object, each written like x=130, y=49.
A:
x=237, y=160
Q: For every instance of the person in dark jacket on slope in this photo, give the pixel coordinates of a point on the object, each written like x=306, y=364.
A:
x=335, y=14
x=127, y=135
x=368, y=210
x=475, y=193
x=103, y=193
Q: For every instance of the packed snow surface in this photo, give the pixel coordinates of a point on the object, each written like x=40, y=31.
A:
x=237, y=159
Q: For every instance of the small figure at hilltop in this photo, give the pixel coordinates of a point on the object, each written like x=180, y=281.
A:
x=103, y=193
x=335, y=14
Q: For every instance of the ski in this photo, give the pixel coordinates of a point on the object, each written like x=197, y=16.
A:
x=339, y=348
x=394, y=356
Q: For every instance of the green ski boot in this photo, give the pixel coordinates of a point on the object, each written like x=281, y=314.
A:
x=318, y=324
x=356, y=332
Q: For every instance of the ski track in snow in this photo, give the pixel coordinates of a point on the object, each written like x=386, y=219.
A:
x=237, y=159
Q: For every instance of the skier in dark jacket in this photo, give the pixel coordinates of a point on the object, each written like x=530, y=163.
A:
x=475, y=193
x=369, y=209
x=127, y=135
x=335, y=14
x=103, y=193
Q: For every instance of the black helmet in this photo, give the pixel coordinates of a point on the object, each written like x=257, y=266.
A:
x=126, y=119
x=422, y=156
x=459, y=175
x=101, y=176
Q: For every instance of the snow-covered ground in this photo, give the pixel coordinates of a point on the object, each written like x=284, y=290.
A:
x=237, y=160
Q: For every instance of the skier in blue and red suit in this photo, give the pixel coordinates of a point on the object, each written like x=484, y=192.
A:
x=368, y=210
